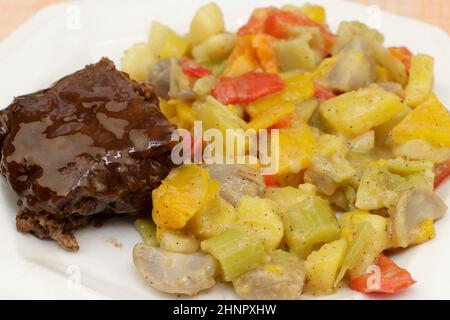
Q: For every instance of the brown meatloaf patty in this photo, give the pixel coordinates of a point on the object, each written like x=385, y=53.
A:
x=93, y=145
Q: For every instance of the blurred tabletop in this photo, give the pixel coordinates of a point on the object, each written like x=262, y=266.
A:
x=15, y=12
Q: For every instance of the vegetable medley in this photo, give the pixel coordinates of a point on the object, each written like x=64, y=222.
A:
x=364, y=142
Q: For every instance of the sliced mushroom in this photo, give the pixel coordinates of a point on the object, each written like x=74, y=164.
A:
x=354, y=69
x=280, y=280
x=160, y=77
x=171, y=272
x=412, y=209
x=237, y=180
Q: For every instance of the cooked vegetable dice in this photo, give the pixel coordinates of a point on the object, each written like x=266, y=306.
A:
x=178, y=241
x=207, y=21
x=308, y=224
x=147, y=230
x=216, y=217
x=236, y=252
x=296, y=147
x=322, y=267
x=138, y=61
x=259, y=216
x=165, y=42
x=182, y=194
x=420, y=80
x=357, y=112
x=373, y=192
x=430, y=121
x=215, y=48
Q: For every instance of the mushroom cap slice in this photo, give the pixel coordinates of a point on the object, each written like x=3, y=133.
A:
x=280, y=280
x=413, y=207
x=171, y=272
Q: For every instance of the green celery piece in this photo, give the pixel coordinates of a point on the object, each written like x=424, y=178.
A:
x=356, y=249
x=236, y=252
x=308, y=224
x=147, y=229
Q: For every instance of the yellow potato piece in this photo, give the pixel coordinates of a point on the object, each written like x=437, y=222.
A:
x=259, y=217
x=420, y=80
x=182, y=194
x=207, y=21
x=356, y=112
x=322, y=267
x=138, y=61
x=430, y=121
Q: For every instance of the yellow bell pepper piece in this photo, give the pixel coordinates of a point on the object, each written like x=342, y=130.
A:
x=356, y=112
x=271, y=116
x=430, y=121
x=299, y=87
x=296, y=148
x=182, y=194
x=420, y=80
x=242, y=64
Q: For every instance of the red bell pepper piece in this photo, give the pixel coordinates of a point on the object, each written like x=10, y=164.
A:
x=442, y=174
x=193, y=69
x=255, y=24
x=392, y=278
x=271, y=181
x=322, y=93
x=247, y=88
x=279, y=23
x=403, y=54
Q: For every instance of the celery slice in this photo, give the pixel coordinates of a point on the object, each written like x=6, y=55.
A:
x=354, y=256
x=236, y=252
x=308, y=224
x=147, y=230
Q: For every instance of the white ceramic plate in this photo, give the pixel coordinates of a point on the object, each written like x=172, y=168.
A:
x=65, y=37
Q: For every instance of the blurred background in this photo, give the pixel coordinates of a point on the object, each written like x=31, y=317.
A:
x=15, y=12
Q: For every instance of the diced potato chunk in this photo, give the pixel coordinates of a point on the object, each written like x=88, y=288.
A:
x=322, y=267
x=177, y=241
x=182, y=194
x=288, y=196
x=216, y=217
x=260, y=218
x=207, y=21
x=420, y=80
x=138, y=61
x=215, y=48
x=215, y=115
x=165, y=42
x=430, y=121
x=356, y=112
x=296, y=147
